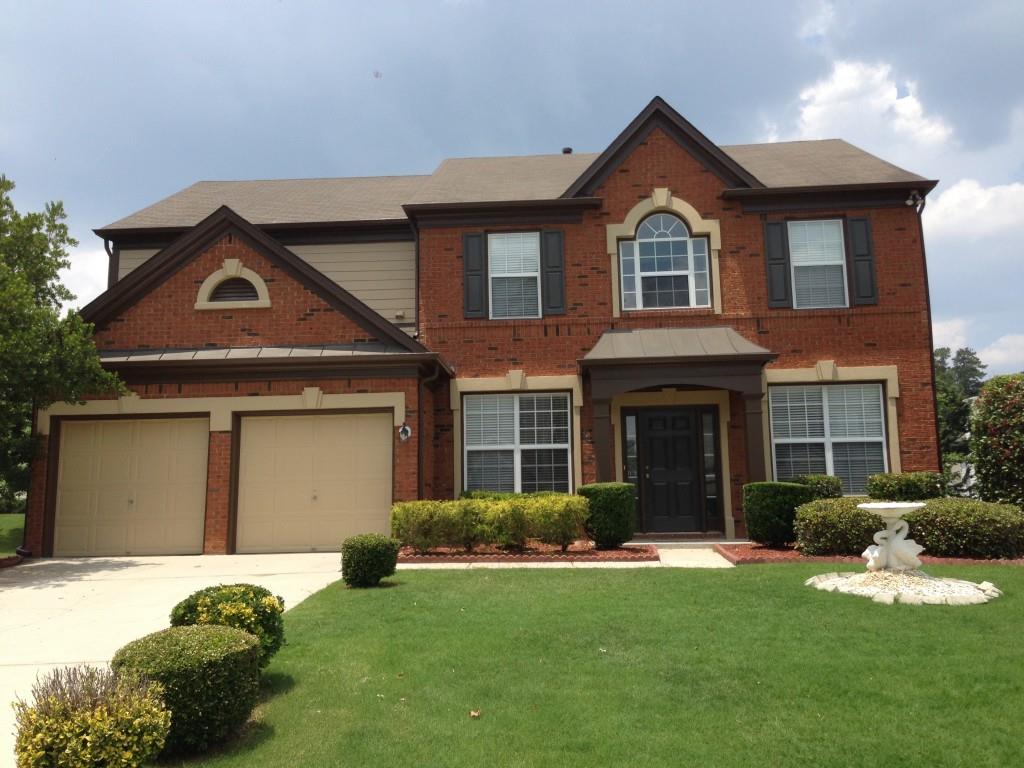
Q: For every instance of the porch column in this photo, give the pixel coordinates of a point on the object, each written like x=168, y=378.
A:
x=603, y=440
x=755, y=437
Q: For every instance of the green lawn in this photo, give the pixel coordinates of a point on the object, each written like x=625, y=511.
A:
x=10, y=533
x=657, y=667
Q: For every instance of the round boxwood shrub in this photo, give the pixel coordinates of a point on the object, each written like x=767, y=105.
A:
x=997, y=440
x=210, y=677
x=243, y=606
x=822, y=486
x=834, y=527
x=368, y=558
x=86, y=716
x=769, y=510
x=958, y=527
x=611, y=520
x=906, y=486
x=949, y=527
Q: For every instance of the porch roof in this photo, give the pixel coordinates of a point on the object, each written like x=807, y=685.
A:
x=661, y=345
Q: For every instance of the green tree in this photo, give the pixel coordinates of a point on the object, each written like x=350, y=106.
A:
x=968, y=371
x=44, y=357
x=997, y=439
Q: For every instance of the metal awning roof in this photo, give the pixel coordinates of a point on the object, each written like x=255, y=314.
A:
x=649, y=345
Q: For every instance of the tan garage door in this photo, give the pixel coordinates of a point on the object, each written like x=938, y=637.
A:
x=131, y=487
x=307, y=482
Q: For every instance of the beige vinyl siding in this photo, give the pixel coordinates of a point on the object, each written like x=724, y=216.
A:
x=383, y=275
x=129, y=260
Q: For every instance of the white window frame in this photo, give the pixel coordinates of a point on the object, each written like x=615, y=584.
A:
x=688, y=272
x=819, y=263
x=534, y=275
x=827, y=440
x=517, y=447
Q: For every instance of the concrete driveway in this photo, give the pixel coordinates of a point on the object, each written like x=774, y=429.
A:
x=80, y=611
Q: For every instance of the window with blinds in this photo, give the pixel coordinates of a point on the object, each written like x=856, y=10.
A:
x=837, y=429
x=818, y=260
x=517, y=443
x=514, y=269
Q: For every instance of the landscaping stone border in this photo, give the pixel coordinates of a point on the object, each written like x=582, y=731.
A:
x=754, y=554
x=633, y=554
x=7, y=562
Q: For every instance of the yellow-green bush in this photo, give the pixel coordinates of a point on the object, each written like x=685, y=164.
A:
x=243, y=606
x=85, y=716
x=504, y=520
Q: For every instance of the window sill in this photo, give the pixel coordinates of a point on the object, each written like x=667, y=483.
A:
x=213, y=305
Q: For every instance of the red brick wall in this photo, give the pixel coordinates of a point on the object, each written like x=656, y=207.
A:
x=165, y=317
x=893, y=332
x=405, y=473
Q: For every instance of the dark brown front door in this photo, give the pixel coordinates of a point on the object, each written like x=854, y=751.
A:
x=670, y=469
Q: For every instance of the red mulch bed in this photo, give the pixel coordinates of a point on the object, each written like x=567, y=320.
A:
x=755, y=554
x=535, y=552
x=6, y=562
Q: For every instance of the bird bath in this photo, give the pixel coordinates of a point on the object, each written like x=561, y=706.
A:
x=892, y=549
x=893, y=574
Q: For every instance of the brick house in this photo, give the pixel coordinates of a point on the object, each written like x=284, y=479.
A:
x=684, y=316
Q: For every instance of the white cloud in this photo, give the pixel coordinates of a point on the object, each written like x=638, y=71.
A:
x=865, y=104
x=950, y=333
x=1005, y=354
x=819, y=23
x=969, y=210
x=87, y=275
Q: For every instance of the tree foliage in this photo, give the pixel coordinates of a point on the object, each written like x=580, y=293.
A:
x=958, y=377
x=997, y=439
x=44, y=357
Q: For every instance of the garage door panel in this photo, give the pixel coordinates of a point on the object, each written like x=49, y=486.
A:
x=132, y=486
x=331, y=479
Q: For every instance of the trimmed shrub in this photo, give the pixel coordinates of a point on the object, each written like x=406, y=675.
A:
x=997, y=440
x=210, y=677
x=822, y=486
x=243, y=606
x=85, y=716
x=505, y=522
x=484, y=517
x=769, y=510
x=368, y=558
x=835, y=527
x=558, y=519
x=907, y=486
x=949, y=527
x=611, y=519
x=955, y=527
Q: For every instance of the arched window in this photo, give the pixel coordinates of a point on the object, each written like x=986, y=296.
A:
x=235, y=289
x=233, y=286
x=664, y=267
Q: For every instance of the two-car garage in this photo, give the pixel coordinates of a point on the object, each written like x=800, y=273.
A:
x=138, y=486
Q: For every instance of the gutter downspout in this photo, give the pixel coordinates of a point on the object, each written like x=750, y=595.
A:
x=422, y=386
x=931, y=337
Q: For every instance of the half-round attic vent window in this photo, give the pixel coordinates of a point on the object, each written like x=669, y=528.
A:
x=235, y=289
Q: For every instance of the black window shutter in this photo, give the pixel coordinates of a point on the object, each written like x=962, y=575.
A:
x=864, y=288
x=552, y=272
x=776, y=251
x=474, y=275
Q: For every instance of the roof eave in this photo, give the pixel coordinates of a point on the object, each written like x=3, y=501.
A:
x=744, y=357
x=491, y=206
x=923, y=186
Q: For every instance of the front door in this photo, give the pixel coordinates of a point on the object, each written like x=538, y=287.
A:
x=671, y=455
x=670, y=470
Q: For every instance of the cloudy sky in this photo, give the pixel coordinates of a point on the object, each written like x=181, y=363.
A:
x=110, y=106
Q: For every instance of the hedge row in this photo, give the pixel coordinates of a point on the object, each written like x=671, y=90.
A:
x=907, y=486
x=947, y=527
x=505, y=522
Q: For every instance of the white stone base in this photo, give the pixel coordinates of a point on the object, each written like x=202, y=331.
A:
x=909, y=587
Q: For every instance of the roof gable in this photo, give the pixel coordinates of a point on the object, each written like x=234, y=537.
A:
x=658, y=114
x=160, y=267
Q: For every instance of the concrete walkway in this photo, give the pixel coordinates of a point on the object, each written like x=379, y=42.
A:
x=80, y=611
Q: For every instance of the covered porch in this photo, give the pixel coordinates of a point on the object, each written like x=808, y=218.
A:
x=678, y=412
